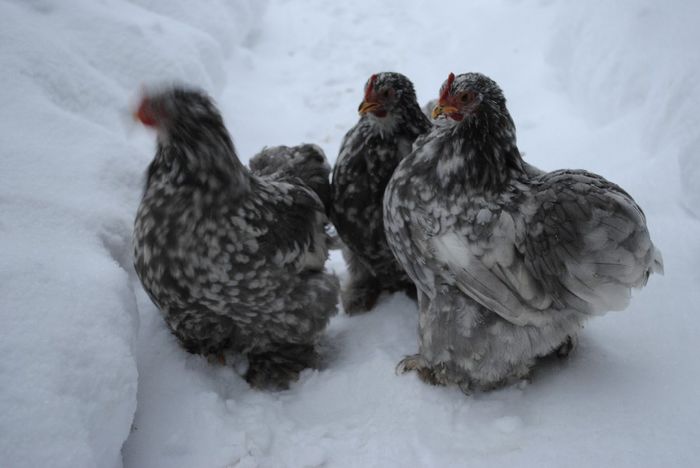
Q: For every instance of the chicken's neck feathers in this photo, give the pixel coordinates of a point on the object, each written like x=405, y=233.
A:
x=205, y=157
x=480, y=154
x=409, y=122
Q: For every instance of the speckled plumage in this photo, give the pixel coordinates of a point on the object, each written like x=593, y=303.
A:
x=234, y=260
x=390, y=122
x=509, y=260
x=306, y=162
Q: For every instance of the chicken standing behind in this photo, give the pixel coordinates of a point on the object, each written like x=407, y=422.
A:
x=509, y=260
x=390, y=121
x=306, y=162
x=234, y=261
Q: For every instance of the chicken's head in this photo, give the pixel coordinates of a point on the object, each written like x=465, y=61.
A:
x=466, y=94
x=191, y=135
x=166, y=108
x=387, y=93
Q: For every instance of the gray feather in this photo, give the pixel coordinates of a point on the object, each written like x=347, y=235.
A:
x=233, y=260
x=306, y=162
x=512, y=259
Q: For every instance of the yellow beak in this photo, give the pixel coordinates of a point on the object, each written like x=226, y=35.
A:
x=367, y=107
x=439, y=110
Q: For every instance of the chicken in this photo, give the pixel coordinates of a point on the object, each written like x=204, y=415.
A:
x=509, y=260
x=234, y=261
x=306, y=162
x=390, y=121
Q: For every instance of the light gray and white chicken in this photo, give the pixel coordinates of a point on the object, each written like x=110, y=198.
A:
x=509, y=261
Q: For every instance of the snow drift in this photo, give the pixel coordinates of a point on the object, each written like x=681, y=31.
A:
x=629, y=65
x=70, y=184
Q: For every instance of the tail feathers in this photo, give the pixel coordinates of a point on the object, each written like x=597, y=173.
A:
x=604, y=282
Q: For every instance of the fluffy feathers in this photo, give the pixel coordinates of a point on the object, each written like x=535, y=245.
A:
x=234, y=260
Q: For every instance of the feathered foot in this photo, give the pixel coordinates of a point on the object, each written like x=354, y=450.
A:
x=418, y=364
x=277, y=369
x=358, y=299
x=216, y=358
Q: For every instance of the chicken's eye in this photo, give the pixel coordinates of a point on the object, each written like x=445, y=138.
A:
x=467, y=97
x=386, y=93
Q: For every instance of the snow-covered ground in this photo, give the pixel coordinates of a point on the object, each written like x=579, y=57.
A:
x=89, y=374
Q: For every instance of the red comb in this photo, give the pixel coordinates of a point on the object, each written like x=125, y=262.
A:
x=370, y=86
x=448, y=85
x=144, y=114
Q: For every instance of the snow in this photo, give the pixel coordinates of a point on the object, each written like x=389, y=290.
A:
x=71, y=180
x=90, y=375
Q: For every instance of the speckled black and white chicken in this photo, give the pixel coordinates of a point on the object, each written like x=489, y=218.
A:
x=509, y=260
x=234, y=260
x=390, y=121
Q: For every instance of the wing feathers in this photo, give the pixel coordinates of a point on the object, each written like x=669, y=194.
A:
x=582, y=248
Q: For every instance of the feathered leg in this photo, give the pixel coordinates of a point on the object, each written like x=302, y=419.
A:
x=363, y=290
x=417, y=362
x=277, y=368
x=294, y=333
